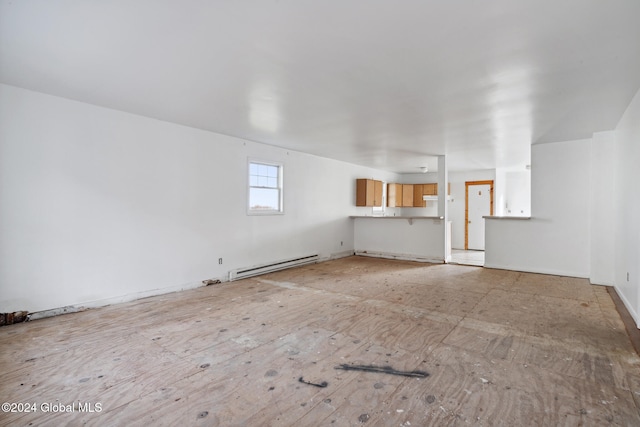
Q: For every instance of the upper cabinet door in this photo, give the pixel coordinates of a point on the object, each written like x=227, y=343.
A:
x=368, y=192
x=392, y=195
x=407, y=194
x=377, y=193
x=418, y=201
x=430, y=189
x=362, y=193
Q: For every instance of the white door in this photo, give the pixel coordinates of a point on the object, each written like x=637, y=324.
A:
x=478, y=205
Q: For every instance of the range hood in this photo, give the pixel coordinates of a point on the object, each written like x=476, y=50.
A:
x=434, y=198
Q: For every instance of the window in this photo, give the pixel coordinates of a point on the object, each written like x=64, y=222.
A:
x=265, y=188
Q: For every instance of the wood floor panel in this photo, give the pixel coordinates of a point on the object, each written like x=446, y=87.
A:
x=558, y=318
x=304, y=401
x=554, y=286
x=486, y=406
x=462, y=391
x=610, y=369
x=369, y=288
x=366, y=391
x=462, y=278
x=416, y=313
x=391, y=330
x=604, y=401
x=501, y=348
x=89, y=370
x=262, y=380
x=450, y=301
x=137, y=376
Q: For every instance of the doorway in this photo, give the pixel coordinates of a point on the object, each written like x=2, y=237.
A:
x=478, y=203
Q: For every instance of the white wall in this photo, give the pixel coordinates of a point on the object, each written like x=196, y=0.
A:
x=513, y=192
x=627, y=208
x=517, y=200
x=557, y=238
x=100, y=206
x=420, y=239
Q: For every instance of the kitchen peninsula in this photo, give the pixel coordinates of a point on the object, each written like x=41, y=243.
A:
x=417, y=238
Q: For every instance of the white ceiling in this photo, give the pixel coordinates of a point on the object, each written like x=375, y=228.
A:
x=385, y=84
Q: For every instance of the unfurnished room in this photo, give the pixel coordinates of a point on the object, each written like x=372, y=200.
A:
x=319, y=213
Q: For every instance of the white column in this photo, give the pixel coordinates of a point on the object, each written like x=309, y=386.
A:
x=443, y=205
x=443, y=180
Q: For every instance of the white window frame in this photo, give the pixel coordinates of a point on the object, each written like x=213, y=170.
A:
x=280, y=187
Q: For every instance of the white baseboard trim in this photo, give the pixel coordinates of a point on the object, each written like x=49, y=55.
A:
x=600, y=282
x=402, y=257
x=338, y=255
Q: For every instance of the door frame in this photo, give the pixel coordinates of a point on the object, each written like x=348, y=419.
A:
x=467, y=184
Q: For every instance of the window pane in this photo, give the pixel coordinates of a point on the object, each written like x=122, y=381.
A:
x=265, y=192
x=264, y=199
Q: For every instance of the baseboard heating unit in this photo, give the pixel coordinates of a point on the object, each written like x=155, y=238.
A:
x=275, y=266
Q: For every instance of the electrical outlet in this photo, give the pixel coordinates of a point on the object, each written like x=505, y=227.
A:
x=219, y=260
x=627, y=276
x=341, y=242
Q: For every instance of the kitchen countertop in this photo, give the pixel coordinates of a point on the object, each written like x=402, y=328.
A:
x=396, y=217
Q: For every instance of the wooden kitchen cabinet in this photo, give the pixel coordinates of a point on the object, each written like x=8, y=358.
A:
x=394, y=195
x=432, y=189
x=429, y=189
x=407, y=195
x=418, y=192
x=410, y=195
x=377, y=193
x=368, y=192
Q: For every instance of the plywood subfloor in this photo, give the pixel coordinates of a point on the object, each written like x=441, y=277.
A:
x=500, y=347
